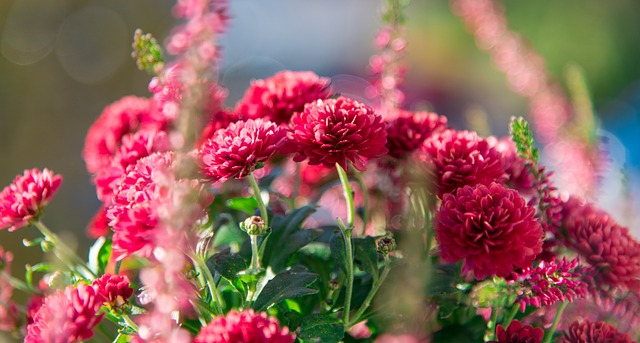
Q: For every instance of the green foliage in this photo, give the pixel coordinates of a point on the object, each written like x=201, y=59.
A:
x=321, y=328
x=99, y=254
x=246, y=205
x=286, y=238
x=366, y=255
x=289, y=284
x=522, y=136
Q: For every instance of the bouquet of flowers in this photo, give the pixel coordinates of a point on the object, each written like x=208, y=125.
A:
x=301, y=215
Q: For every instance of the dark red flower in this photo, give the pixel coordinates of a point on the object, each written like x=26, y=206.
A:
x=594, y=332
x=220, y=120
x=516, y=333
x=66, y=317
x=336, y=131
x=124, y=116
x=244, y=327
x=235, y=151
x=491, y=228
x=459, y=158
x=407, y=131
x=25, y=198
x=604, y=244
x=519, y=176
x=277, y=98
x=115, y=289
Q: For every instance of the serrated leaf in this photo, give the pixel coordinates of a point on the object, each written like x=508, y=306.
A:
x=366, y=255
x=226, y=264
x=285, y=238
x=288, y=284
x=294, y=241
x=246, y=205
x=338, y=251
x=321, y=328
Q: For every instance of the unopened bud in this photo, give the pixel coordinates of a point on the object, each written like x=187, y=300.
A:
x=254, y=226
x=386, y=244
x=59, y=280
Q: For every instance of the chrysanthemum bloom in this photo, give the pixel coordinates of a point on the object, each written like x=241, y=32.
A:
x=66, y=317
x=604, y=244
x=459, y=158
x=519, y=176
x=132, y=214
x=549, y=283
x=408, y=130
x=234, y=152
x=338, y=131
x=404, y=338
x=244, y=327
x=99, y=224
x=516, y=333
x=115, y=289
x=25, y=198
x=220, y=120
x=490, y=227
x=277, y=98
x=124, y=116
x=594, y=332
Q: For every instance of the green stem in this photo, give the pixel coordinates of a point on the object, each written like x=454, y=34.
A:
x=255, y=256
x=549, y=334
x=348, y=195
x=365, y=200
x=129, y=322
x=512, y=314
x=67, y=255
x=210, y=283
x=349, y=266
x=374, y=289
x=256, y=193
x=16, y=283
x=491, y=325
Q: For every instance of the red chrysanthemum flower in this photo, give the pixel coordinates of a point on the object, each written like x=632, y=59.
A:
x=25, y=198
x=604, y=244
x=337, y=131
x=238, y=150
x=66, y=317
x=491, y=228
x=99, y=224
x=549, y=283
x=244, y=327
x=124, y=116
x=132, y=214
x=594, y=332
x=459, y=158
x=408, y=130
x=519, y=176
x=516, y=333
x=220, y=120
x=277, y=98
x=114, y=289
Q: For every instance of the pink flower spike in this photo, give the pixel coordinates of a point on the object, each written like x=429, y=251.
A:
x=25, y=198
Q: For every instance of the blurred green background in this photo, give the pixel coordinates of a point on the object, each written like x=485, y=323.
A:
x=63, y=61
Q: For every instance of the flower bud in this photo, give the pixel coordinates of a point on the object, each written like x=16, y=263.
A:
x=386, y=244
x=254, y=226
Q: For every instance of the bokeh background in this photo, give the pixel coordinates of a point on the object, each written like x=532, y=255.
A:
x=63, y=61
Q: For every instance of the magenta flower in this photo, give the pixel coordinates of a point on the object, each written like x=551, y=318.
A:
x=516, y=333
x=594, y=332
x=99, y=224
x=338, y=131
x=277, y=98
x=239, y=149
x=244, y=327
x=25, y=198
x=408, y=130
x=66, y=317
x=114, y=289
x=519, y=176
x=604, y=244
x=549, y=283
x=459, y=158
x=124, y=116
x=491, y=228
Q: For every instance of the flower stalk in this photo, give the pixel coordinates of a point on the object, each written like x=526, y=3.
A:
x=64, y=252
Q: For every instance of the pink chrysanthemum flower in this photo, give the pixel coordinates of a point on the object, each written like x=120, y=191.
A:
x=244, y=327
x=220, y=120
x=604, y=244
x=459, y=158
x=408, y=130
x=66, y=317
x=239, y=149
x=338, y=131
x=516, y=333
x=549, y=283
x=8, y=310
x=25, y=198
x=594, y=332
x=99, y=224
x=277, y=98
x=114, y=289
x=124, y=116
x=491, y=228
x=132, y=214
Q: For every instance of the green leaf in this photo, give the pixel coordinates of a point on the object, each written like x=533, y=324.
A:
x=366, y=255
x=287, y=237
x=229, y=234
x=227, y=265
x=338, y=251
x=289, y=284
x=246, y=205
x=522, y=136
x=122, y=338
x=99, y=255
x=321, y=328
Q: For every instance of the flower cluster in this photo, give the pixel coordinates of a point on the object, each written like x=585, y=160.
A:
x=244, y=327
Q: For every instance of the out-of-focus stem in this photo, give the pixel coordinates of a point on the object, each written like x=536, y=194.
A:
x=346, y=233
x=67, y=255
x=348, y=195
x=256, y=193
x=374, y=289
x=549, y=334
